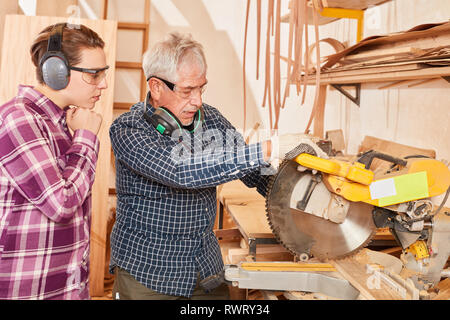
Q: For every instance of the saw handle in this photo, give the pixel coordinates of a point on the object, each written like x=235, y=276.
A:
x=367, y=158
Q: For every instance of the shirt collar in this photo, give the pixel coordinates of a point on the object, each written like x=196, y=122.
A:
x=44, y=104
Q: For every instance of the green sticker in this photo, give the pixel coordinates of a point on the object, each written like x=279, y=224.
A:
x=160, y=128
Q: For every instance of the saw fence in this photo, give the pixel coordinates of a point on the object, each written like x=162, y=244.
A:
x=376, y=272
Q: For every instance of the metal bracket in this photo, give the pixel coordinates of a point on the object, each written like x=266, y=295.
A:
x=357, y=98
x=221, y=213
x=252, y=242
x=290, y=281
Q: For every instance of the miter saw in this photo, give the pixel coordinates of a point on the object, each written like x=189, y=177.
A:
x=329, y=207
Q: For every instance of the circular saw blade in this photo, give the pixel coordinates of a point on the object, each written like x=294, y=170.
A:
x=301, y=232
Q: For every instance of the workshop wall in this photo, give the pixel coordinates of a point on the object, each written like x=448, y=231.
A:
x=7, y=7
x=414, y=116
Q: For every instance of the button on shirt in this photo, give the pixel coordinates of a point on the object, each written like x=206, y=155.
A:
x=46, y=176
x=166, y=197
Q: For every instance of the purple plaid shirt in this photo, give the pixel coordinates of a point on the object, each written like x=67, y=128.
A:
x=46, y=176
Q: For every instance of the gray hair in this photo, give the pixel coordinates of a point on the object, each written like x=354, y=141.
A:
x=165, y=57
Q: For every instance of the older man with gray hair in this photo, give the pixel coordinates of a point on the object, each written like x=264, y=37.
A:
x=171, y=151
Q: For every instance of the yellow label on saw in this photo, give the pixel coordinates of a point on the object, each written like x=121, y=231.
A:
x=407, y=187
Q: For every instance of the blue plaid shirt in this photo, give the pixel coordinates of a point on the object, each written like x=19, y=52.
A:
x=166, y=207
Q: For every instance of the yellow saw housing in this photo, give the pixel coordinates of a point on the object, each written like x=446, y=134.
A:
x=420, y=178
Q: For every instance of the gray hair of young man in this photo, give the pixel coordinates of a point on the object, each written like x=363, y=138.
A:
x=166, y=56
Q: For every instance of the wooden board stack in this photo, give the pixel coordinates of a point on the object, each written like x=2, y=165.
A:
x=422, y=52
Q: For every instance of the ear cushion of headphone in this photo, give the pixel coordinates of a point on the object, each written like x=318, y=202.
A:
x=55, y=71
x=164, y=121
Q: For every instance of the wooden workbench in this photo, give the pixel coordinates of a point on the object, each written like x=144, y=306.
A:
x=246, y=208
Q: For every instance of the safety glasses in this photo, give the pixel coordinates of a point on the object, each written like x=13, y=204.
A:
x=92, y=76
x=183, y=92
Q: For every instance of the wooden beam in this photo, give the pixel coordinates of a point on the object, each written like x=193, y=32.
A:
x=132, y=25
x=123, y=105
x=425, y=73
x=128, y=65
x=394, y=84
x=105, y=9
x=368, y=284
x=337, y=139
x=423, y=82
x=144, y=46
x=319, y=116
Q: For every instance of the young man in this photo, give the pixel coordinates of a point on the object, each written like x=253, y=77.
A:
x=48, y=154
x=162, y=244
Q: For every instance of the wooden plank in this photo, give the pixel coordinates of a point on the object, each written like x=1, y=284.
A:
x=145, y=39
x=275, y=252
x=422, y=36
x=369, y=285
x=237, y=191
x=423, y=82
x=251, y=220
x=269, y=295
x=123, y=105
x=424, y=73
x=383, y=234
x=287, y=266
x=422, y=62
x=319, y=116
x=132, y=25
x=337, y=139
x=351, y=70
x=226, y=234
x=128, y=65
x=353, y=4
x=444, y=290
x=378, y=53
x=17, y=68
x=392, y=148
x=394, y=84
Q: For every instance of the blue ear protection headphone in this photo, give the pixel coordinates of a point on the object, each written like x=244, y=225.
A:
x=165, y=122
x=53, y=64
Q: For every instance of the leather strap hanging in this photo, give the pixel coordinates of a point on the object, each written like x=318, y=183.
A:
x=267, y=86
x=276, y=67
x=258, y=35
x=298, y=32
x=305, y=13
x=316, y=96
x=244, y=64
x=318, y=100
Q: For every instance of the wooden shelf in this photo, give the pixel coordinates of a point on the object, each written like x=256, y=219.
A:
x=353, y=4
x=339, y=4
x=380, y=75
